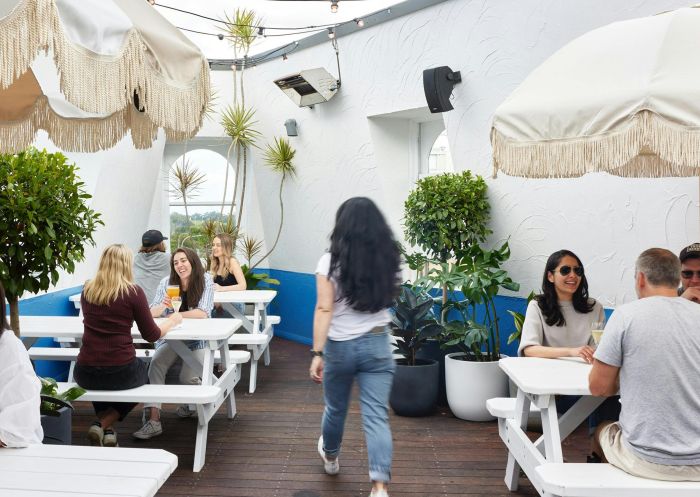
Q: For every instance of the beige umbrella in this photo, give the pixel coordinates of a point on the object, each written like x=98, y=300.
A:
x=624, y=99
x=118, y=64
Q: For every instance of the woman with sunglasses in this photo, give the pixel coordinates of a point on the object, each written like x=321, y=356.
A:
x=558, y=321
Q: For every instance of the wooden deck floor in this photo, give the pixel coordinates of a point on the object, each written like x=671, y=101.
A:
x=269, y=449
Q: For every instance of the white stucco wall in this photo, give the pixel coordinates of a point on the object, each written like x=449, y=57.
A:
x=495, y=44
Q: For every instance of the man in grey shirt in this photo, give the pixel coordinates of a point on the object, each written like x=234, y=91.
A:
x=650, y=351
x=151, y=263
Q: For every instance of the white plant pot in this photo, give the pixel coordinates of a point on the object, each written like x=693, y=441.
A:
x=470, y=384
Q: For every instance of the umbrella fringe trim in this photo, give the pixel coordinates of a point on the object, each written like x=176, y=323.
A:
x=76, y=134
x=24, y=34
x=649, y=146
x=171, y=105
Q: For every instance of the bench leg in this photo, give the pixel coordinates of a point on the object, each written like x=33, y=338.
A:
x=253, y=374
x=200, y=448
x=266, y=355
x=522, y=412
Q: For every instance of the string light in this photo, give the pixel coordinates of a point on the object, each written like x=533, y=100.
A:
x=360, y=23
x=261, y=31
x=284, y=56
x=331, y=33
x=334, y=6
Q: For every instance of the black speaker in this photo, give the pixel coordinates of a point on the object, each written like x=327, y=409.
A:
x=437, y=84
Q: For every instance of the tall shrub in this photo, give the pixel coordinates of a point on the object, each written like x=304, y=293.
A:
x=44, y=220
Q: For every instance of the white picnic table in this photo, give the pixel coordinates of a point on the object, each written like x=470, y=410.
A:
x=70, y=470
x=539, y=381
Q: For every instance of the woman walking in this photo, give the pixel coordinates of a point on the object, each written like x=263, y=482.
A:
x=356, y=284
x=111, y=302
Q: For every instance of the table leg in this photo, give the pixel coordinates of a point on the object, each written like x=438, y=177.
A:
x=236, y=313
x=573, y=418
x=522, y=411
x=226, y=364
x=188, y=357
x=550, y=431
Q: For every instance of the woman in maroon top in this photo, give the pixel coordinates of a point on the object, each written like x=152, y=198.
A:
x=111, y=302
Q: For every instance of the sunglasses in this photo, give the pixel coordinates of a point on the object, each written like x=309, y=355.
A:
x=565, y=270
x=687, y=274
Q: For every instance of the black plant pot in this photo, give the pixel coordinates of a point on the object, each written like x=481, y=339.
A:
x=57, y=429
x=431, y=350
x=415, y=388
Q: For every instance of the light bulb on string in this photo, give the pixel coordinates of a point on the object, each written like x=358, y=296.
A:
x=331, y=33
x=334, y=6
x=360, y=23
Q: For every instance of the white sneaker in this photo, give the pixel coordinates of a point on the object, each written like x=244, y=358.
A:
x=184, y=411
x=379, y=493
x=331, y=466
x=149, y=430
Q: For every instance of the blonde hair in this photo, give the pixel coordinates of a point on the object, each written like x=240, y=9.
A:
x=114, y=276
x=216, y=267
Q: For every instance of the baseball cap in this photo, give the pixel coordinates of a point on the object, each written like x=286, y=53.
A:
x=690, y=252
x=154, y=237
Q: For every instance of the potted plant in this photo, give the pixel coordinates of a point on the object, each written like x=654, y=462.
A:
x=443, y=215
x=468, y=313
x=56, y=410
x=414, y=390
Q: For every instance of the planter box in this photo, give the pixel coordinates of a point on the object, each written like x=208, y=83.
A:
x=415, y=388
x=57, y=429
x=470, y=384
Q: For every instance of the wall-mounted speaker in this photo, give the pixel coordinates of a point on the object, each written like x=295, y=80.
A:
x=437, y=84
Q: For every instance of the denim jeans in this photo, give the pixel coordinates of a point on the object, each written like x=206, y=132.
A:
x=368, y=359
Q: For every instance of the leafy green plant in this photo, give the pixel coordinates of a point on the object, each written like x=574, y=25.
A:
x=52, y=401
x=186, y=180
x=45, y=223
x=413, y=322
x=446, y=214
x=253, y=279
x=518, y=321
x=478, y=276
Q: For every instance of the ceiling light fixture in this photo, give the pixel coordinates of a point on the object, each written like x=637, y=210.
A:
x=334, y=6
x=331, y=33
x=360, y=23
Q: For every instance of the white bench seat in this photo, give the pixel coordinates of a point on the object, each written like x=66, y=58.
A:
x=504, y=407
x=259, y=346
x=605, y=480
x=206, y=398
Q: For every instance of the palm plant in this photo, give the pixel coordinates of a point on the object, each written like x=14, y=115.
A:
x=279, y=156
x=185, y=182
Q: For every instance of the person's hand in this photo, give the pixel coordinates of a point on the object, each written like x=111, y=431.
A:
x=585, y=353
x=167, y=302
x=692, y=293
x=316, y=369
x=175, y=318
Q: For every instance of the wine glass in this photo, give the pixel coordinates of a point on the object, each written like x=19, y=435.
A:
x=597, y=328
x=176, y=302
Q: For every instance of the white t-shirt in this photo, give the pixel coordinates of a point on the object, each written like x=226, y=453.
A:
x=20, y=422
x=346, y=322
x=655, y=341
x=575, y=333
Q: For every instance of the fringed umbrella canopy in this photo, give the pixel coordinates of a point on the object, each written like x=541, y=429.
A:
x=121, y=67
x=624, y=99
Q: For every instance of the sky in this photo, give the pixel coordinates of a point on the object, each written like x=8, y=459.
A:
x=273, y=13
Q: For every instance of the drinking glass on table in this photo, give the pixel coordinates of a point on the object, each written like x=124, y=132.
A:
x=597, y=328
x=176, y=302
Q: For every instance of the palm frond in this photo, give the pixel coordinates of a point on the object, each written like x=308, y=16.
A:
x=238, y=123
x=250, y=247
x=186, y=180
x=280, y=156
x=241, y=29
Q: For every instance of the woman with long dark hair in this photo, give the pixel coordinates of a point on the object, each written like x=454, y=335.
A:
x=558, y=321
x=356, y=284
x=20, y=424
x=196, y=289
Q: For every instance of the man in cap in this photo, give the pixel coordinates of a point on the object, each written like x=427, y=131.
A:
x=151, y=263
x=690, y=272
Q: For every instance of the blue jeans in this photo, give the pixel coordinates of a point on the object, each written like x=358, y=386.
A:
x=368, y=359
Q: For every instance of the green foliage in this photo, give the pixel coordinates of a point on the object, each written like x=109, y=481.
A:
x=52, y=401
x=253, y=279
x=44, y=220
x=413, y=322
x=518, y=321
x=242, y=29
x=279, y=155
x=446, y=214
x=478, y=276
x=239, y=124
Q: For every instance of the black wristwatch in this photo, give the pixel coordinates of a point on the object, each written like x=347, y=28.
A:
x=316, y=353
